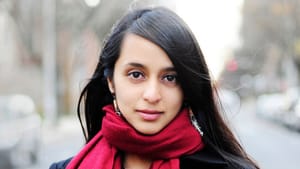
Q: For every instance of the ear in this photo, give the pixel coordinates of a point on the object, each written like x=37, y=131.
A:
x=110, y=85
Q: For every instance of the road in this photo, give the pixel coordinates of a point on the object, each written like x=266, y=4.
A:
x=270, y=144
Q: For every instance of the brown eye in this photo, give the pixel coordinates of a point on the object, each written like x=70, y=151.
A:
x=136, y=75
x=170, y=78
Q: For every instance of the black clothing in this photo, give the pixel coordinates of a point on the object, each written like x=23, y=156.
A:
x=203, y=159
x=61, y=164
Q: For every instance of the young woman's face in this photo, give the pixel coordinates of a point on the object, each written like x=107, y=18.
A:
x=145, y=85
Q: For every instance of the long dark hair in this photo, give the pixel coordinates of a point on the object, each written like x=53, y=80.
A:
x=164, y=28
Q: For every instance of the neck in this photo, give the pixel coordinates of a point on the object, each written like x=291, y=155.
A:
x=132, y=161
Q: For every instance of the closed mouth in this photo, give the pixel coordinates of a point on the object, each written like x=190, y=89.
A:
x=149, y=115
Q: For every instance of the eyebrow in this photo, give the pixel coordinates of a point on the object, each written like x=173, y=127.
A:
x=139, y=65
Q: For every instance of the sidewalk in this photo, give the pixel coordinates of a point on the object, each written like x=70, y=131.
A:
x=59, y=142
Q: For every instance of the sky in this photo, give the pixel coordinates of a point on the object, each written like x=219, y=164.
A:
x=216, y=26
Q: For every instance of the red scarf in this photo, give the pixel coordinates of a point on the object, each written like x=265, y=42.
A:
x=102, y=152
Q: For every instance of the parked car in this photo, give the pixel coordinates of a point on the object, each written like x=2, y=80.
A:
x=20, y=131
x=283, y=107
x=271, y=106
x=294, y=117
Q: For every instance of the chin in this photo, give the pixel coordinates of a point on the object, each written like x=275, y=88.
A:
x=149, y=132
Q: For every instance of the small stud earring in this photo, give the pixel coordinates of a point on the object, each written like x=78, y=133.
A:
x=117, y=110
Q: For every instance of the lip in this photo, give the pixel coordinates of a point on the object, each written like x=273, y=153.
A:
x=149, y=115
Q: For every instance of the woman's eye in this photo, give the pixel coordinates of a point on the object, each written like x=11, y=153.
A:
x=135, y=75
x=170, y=78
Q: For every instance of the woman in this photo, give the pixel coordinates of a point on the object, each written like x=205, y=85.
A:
x=151, y=103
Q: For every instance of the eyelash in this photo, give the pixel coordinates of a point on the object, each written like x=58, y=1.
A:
x=133, y=74
x=137, y=75
x=172, y=76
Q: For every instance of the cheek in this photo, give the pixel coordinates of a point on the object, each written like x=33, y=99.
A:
x=127, y=95
x=175, y=98
x=125, y=92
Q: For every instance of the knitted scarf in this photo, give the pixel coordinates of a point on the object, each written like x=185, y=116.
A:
x=178, y=138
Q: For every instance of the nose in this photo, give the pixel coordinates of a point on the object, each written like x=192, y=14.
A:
x=152, y=92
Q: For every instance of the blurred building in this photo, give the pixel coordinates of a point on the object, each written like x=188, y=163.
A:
x=79, y=30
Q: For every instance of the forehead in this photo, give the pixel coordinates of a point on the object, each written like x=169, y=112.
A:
x=135, y=48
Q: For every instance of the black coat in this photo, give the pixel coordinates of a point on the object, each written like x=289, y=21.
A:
x=203, y=159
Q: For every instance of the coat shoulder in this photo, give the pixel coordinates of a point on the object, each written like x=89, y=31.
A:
x=60, y=164
x=203, y=159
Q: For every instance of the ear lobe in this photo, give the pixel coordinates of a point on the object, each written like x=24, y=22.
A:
x=110, y=85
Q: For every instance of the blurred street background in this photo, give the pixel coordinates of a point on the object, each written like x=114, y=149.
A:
x=49, y=48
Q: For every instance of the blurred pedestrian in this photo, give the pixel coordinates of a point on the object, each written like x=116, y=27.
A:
x=151, y=104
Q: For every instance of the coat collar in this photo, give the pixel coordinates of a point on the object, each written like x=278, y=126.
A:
x=206, y=158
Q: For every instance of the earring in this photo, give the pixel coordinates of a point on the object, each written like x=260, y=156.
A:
x=118, y=112
x=194, y=122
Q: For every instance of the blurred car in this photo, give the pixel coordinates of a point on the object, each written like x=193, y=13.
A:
x=20, y=131
x=283, y=107
x=293, y=119
x=271, y=106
